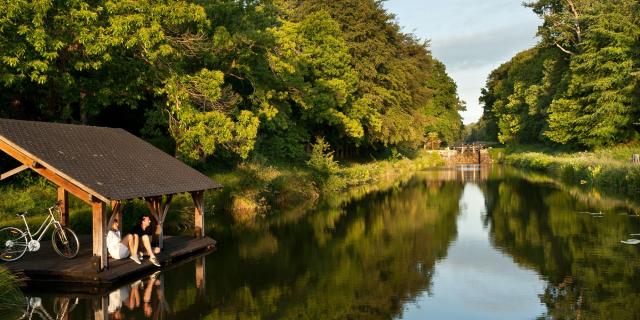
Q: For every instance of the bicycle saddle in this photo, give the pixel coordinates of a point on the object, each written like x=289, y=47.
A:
x=20, y=214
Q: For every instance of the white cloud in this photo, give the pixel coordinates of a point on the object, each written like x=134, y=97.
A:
x=471, y=37
x=481, y=49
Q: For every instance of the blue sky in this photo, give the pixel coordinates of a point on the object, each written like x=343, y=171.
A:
x=471, y=37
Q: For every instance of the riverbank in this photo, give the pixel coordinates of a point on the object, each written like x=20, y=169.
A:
x=606, y=169
x=258, y=188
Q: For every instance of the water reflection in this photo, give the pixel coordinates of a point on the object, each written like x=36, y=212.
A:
x=146, y=295
x=35, y=309
x=488, y=244
x=477, y=281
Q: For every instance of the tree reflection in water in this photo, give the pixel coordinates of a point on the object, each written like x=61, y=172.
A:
x=371, y=257
x=590, y=274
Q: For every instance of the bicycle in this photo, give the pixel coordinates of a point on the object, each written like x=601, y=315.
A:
x=15, y=242
x=62, y=307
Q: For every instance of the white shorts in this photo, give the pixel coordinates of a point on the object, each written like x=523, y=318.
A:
x=121, y=253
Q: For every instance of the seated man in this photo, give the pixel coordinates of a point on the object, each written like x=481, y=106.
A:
x=120, y=248
x=144, y=232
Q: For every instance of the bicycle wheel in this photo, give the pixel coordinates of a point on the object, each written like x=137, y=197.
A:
x=13, y=243
x=65, y=242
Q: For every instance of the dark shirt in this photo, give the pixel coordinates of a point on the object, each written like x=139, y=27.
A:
x=138, y=230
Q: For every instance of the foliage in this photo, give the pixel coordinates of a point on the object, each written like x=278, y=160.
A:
x=579, y=86
x=228, y=77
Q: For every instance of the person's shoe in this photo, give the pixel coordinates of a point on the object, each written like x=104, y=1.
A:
x=135, y=259
x=137, y=283
x=140, y=256
x=155, y=275
x=154, y=261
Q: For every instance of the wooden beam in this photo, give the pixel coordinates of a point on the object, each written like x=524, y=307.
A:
x=98, y=209
x=198, y=201
x=77, y=189
x=13, y=171
x=63, y=197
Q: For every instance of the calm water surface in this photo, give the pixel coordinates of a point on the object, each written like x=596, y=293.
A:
x=490, y=244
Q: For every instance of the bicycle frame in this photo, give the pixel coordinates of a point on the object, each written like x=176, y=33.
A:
x=50, y=220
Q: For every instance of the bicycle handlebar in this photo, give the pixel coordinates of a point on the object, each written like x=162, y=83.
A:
x=58, y=204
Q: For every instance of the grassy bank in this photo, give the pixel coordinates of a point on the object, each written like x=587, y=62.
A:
x=258, y=188
x=607, y=169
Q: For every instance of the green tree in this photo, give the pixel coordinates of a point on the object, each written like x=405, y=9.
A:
x=600, y=106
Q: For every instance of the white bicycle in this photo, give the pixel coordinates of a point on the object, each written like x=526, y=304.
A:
x=15, y=242
x=62, y=307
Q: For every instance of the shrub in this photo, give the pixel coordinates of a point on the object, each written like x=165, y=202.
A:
x=326, y=171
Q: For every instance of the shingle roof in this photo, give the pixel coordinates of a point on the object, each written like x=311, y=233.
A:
x=112, y=162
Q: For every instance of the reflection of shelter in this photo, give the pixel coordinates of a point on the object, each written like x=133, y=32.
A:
x=103, y=167
x=132, y=297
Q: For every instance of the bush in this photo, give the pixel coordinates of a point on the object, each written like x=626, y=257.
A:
x=326, y=171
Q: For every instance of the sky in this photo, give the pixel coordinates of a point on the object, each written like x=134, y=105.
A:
x=471, y=37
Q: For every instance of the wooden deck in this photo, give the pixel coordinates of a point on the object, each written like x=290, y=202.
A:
x=47, y=267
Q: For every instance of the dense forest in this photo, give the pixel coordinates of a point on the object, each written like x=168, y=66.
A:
x=227, y=78
x=579, y=86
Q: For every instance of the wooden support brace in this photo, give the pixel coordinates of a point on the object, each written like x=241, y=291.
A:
x=159, y=210
x=13, y=171
x=116, y=213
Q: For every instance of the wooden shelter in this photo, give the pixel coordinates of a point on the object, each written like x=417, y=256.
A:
x=103, y=167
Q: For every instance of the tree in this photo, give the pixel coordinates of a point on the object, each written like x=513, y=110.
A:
x=600, y=106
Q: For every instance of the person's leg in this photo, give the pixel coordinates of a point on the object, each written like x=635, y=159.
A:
x=134, y=297
x=148, y=290
x=127, y=240
x=146, y=242
x=135, y=240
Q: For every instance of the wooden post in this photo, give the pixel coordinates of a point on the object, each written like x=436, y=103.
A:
x=200, y=278
x=198, y=201
x=98, y=209
x=63, y=197
x=100, y=310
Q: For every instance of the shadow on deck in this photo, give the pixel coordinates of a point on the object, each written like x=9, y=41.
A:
x=46, y=267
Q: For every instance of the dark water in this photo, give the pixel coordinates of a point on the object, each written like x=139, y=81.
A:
x=491, y=244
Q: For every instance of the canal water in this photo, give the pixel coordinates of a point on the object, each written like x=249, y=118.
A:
x=481, y=243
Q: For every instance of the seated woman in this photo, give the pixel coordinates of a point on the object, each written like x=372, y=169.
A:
x=120, y=248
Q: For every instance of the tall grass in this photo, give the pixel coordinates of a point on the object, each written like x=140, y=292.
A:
x=11, y=298
x=608, y=169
